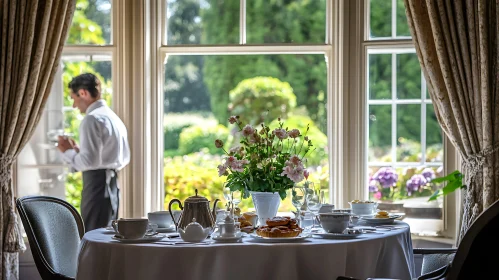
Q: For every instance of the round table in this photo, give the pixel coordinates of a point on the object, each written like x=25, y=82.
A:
x=385, y=254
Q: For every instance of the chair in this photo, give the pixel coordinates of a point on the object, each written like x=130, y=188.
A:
x=54, y=229
x=468, y=260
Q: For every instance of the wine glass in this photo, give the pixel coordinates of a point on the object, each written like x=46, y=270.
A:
x=298, y=199
x=229, y=196
x=315, y=198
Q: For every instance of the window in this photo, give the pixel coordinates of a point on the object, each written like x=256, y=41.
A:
x=88, y=48
x=208, y=49
x=404, y=141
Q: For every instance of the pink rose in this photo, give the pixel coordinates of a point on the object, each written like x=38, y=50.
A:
x=294, y=133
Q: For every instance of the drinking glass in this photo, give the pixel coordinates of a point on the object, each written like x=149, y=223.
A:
x=298, y=199
x=315, y=199
x=232, y=199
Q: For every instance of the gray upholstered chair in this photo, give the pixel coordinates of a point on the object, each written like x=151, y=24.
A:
x=54, y=229
x=469, y=260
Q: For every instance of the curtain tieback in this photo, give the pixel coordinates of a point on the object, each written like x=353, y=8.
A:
x=473, y=164
x=13, y=241
x=5, y=166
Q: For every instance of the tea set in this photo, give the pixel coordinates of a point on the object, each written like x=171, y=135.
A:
x=195, y=222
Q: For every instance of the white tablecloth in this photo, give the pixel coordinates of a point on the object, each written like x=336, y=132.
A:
x=386, y=255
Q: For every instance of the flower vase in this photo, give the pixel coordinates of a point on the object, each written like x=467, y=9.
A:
x=266, y=205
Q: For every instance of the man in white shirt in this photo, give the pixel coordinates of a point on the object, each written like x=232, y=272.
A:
x=102, y=152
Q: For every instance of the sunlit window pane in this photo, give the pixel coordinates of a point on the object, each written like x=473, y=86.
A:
x=380, y=133
x=202, y=22
x=297, y=21
x=408, y=76
x=380, y=76
x=409, y=133
x=380, y=18
x=91, y=23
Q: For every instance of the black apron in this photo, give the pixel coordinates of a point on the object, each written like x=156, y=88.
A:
x=99, y=198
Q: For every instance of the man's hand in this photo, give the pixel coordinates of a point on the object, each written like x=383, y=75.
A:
x=74, y=145
x=64, y=144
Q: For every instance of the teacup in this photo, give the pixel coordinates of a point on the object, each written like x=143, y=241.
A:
x=326, y=208
x=363, y=208
x=334, y=222
x=163, y=218
x=131, y=228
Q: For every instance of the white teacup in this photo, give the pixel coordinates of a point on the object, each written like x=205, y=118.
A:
x=363, y=208
x=326, y=208
x=163, y=218
x=334, y=222
x=131, y=228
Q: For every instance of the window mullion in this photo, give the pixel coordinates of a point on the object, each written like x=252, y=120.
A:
x=394, y=18
x=394, y=109
x=242, y=22
x=423, y=120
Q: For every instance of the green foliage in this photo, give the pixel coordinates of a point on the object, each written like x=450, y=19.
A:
x=454, y=181
x=261, y=98
x=74, y=188
x=199, y=137
x=83, y=30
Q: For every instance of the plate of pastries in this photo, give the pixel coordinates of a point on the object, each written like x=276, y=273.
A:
x=279, y=229
x=381, y=217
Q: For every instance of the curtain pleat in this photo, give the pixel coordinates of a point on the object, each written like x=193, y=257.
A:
x=33, y=35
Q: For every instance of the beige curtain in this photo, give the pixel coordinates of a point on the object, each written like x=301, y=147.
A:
x=456, y=42
x=33, y=35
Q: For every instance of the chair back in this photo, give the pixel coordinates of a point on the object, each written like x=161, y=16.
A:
x=470, y=261
x=54, y=229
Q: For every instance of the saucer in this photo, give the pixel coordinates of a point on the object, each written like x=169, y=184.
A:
x=380, y=221
x=258, y=238
x=145, y=239
x=328, y=235
x=227, y=239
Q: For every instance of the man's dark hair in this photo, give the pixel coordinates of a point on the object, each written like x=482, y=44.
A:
x=85, y=81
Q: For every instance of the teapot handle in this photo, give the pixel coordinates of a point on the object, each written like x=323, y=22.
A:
x=214, y=212
x=171, y=213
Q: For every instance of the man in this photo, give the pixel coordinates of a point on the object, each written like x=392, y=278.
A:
x=102, y=152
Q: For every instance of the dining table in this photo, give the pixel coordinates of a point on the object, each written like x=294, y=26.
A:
x=383, y=252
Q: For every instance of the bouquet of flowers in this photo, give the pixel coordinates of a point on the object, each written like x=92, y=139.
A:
x=267, y=160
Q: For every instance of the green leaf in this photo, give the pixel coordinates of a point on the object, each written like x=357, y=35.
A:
x=434, y=196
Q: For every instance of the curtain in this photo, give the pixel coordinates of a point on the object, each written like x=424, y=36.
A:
x=33, y=35
x=457, y=46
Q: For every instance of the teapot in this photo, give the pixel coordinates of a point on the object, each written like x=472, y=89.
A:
x=197, y=207
x=194, y=232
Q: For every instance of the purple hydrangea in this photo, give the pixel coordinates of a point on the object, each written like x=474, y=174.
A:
x=386, y=177
x=429, y=174
x=373, y=185
x=415, y=183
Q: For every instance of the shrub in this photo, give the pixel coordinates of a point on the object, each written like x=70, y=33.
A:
x=175, y=123
x=261, y=98
x=74, y=187
x=195, y=138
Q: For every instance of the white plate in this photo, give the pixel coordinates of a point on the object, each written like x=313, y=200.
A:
x=227, y=239
x=278, y=239
x=145, y=239
x=380, y=221
x=328, y=235
x=166, y=230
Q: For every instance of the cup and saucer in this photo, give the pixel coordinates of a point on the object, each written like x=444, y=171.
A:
x=164, y=220
x=135, y=231
x=227, y=231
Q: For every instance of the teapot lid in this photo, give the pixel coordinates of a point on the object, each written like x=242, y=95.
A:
x=196, y=198
x=194, y=224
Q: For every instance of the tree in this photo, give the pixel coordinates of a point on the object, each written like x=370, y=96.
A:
x=184, y=86
x=273, y=21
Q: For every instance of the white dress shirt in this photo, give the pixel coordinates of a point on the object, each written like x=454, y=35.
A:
x=103, y=141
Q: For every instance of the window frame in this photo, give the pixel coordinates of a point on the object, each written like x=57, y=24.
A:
x=357, y=45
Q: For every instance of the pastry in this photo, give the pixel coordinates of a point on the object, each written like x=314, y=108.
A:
x=382, y=215
x=251, y=217
x=279, y=227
